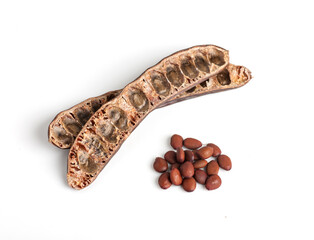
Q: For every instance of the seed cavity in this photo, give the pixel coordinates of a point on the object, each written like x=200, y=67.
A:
x=86, y=163
x=71, y=125
x=82, y=115
x=174, y=75
x=191, y=90
x=216, y=57
x=118, y=118
x=139, y=100
x=111, y=96
x=224, y=78
x=203, y=84
x=188, y=68
x=98, y=147
x=160, y=84
x=201, y=63
x=95, y=105
x=107, y=130
x=61, y=135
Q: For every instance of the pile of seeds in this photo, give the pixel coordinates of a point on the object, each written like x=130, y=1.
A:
x=190, y=166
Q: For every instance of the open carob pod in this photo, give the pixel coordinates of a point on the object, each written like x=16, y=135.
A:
x=67, y=124
x=64, y=128
x=104, y=133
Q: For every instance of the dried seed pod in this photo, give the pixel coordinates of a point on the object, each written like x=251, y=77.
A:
x=62, y=133
x=137, y=99
x=238, y=76
x=66, y=125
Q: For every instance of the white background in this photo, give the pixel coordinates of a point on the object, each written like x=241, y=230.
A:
x=54, y=54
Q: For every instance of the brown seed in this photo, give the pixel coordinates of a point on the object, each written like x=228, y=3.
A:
x=176, y=141
x=180, y=155
x=175, y=177
x=213, y=182
x=160, y=164
x=189, y=184
x=164, y=180
x=212, y=167
x=175, y=165
x=200, y=176
x=170, y=157
x=205, y=152
x=192, y=143
x=189, y=155
x=196, y=157
x=224, y=162
x=216, y=149
x=187, y=169
x=200, y=163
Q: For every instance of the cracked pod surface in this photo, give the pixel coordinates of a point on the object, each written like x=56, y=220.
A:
x=134, y=102
x=65, y=127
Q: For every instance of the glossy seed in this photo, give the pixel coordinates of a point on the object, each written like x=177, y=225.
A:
x=175, y=165
x=200, y=176
x=187, y=169
x=216, y=149
x=196, y=157
x=189, y=184
x=213, y=182
x=180, y=155
x=200, y=164
x=192, y=143
x=189, y=155
x=175, y=177
x=212, y=167
x=176, y=141
x=164, y=180
x=224, y=162
x=205, y=152
x=170, y=157
x=160, y=165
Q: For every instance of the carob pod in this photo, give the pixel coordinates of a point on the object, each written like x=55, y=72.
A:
x=109, y=127
x=66, y=125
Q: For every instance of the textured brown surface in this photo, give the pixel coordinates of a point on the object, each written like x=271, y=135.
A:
x=65, y=126
x=107, y=129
